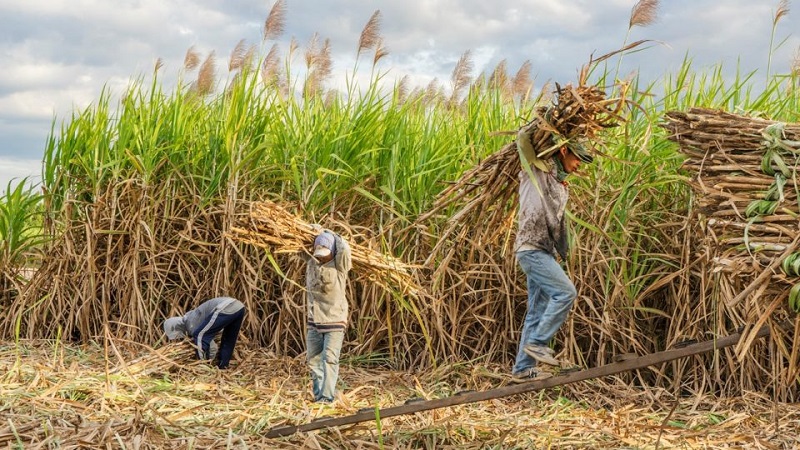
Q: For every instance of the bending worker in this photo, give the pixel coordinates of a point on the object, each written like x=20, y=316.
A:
x=202, y=324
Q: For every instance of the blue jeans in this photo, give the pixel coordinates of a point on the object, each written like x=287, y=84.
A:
x=550, y=297
x=322, y=354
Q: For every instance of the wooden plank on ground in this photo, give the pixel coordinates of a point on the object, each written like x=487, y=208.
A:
x=504, y=391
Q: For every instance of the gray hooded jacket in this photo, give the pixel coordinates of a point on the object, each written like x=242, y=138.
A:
x=189, y=324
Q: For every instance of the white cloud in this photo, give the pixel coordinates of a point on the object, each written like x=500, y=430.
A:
x=58, y=54
x=44, y=103
x=15, y=170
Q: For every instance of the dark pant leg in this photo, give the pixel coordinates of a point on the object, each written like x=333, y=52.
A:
x=230, y=333
x=209, y=328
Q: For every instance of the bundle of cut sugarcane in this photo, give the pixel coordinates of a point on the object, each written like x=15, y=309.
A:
x=745, y=172
x=271, y=226
x=489, y=190
x=702, y=132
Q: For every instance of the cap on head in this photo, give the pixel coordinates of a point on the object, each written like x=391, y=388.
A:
x=580, y=151
x=174, y=328
x=324, y=245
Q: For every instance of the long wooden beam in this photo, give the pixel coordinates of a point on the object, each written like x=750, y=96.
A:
x=504, y=391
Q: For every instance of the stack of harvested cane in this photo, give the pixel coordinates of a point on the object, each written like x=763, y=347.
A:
x=744, y=170
x=269, y=225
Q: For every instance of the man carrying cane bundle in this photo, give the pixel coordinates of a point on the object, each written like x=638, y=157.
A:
x=326, y=281
x=542, y=233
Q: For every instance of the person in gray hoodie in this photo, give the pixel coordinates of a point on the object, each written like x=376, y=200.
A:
x=541, y=235
x=327, y=269
x=202, y=324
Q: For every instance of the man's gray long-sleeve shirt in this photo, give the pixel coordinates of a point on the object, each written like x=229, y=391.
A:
x=542, y=210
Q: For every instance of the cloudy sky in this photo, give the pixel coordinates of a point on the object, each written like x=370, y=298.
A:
x=56, y=55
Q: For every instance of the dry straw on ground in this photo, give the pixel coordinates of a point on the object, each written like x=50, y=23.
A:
x=273, y=227
x=62, y=396
x=161, y=360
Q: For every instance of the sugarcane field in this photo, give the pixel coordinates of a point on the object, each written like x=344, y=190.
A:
x=265, y=262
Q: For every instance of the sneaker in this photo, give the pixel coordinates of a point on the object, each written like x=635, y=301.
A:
x=542, y=354
x=532, y=374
